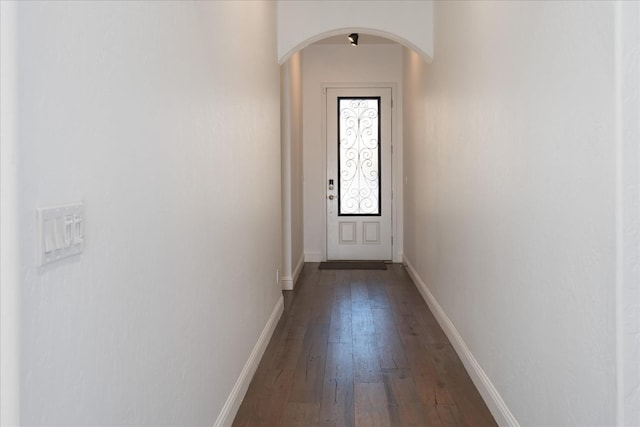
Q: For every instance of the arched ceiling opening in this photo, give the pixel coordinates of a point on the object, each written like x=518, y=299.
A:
x=301, y=23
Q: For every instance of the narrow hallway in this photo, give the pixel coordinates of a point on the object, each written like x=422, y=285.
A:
x=360, y=348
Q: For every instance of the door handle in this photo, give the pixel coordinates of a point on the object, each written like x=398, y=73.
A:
x=331, y=197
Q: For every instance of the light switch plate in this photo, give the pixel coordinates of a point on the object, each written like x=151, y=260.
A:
x=60, y=231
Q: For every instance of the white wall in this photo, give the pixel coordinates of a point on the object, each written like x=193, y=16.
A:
x=301, y=23
x=324, y=64
x=510, y=219
x=627, y=15
x=297, y=169
x=292, y=197
x=9, y=240
x=168, y=128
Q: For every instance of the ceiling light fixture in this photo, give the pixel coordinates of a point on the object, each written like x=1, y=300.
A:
x=353, y=38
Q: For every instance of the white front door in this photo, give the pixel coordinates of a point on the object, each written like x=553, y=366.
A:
x=358, y=187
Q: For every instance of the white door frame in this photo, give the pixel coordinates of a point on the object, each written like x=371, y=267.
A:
x=396, y=163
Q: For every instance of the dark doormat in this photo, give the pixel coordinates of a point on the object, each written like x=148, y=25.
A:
x=353, y=265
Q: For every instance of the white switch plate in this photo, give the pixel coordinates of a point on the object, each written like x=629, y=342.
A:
x=60, y=232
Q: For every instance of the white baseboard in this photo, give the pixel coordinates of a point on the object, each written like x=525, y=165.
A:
x=489, y=393
x=298, y=269
x=288, y=282
x=231, y=406
x=313, y=257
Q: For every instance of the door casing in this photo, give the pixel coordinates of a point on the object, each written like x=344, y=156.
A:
x=396, y=162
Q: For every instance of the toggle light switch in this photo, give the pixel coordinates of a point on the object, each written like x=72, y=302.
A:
x=78, y=232
x=57, y=233
x=49, y=242
x=60, y=232
x=68, y=230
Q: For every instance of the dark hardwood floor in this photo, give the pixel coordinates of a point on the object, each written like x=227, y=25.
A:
x=360, y=348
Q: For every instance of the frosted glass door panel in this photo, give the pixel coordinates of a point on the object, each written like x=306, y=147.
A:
x=359, y=156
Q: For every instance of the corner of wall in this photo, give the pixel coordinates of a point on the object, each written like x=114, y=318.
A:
x=313, y=257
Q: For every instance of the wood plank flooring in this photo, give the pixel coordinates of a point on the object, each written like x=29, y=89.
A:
x=360, y=348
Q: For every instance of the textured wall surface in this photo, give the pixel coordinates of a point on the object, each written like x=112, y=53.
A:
x=301, y=23
x=9, y=238
x=628, y=198
x=291, y=135
x=157, y=117
x=510, y=215
x=297, y=176
x=336, y=64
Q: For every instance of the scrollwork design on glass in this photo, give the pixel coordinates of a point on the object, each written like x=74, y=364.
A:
x=359, y=154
